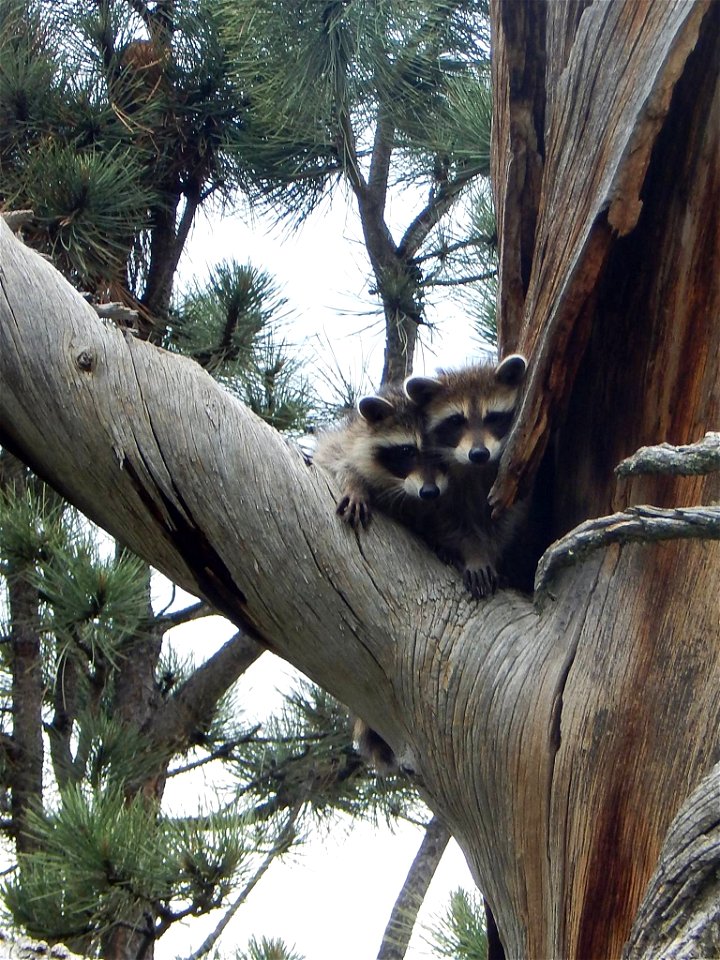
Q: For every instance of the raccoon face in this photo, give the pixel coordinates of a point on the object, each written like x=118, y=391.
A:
x=469, y=412
x=470, y=436
x=395, y=458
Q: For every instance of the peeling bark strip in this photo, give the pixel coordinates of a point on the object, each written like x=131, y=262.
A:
x=557, y=743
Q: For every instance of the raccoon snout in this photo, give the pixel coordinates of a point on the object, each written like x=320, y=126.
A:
x=429, y=491
x=479, y=455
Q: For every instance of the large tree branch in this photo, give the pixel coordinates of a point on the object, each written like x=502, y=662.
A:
x=640, y=524
x=511, y=716
x=146, y=430
x=688, y=460
x=193, y=704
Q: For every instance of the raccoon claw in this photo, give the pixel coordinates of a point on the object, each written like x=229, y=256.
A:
x=354, y=512
x=480, y=582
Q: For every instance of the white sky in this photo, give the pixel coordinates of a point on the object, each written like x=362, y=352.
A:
x=332, y=898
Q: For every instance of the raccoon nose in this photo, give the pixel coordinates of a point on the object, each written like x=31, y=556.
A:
x=429, y=491
x=479, y=455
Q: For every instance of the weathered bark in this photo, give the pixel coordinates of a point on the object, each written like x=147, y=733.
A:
x=557, y=742
x=679, y=917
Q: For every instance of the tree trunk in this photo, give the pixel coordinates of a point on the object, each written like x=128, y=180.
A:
x=559, y=739
x=404, y=913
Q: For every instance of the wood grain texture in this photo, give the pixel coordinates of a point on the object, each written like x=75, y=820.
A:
x=603, y=114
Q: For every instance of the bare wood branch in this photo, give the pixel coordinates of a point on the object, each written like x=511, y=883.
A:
x=640, y=524
x=223, y=752
x=460, y=281
x=691, y=459
x=445, y=250
x=196, y=611
x=117, y=312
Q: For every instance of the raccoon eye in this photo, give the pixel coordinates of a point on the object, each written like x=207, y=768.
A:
x=399, y=460
x=455, y=420
x=498, y=421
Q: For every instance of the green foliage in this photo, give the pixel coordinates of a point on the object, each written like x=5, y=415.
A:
x=461, y=933
x=32, y=525
x=305, y=757
x=88, y=205
x=101, y=857
x=217, y=324
x=268, y=949
x=94, y=604
x=315, y=70
x=110, y=119
x=230, y=327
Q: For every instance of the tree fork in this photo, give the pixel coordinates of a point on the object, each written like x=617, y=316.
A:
x=558, y=743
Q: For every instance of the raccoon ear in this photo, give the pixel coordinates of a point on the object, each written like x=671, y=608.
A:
x=421, y=390
x=375, y=409
x=511, y=370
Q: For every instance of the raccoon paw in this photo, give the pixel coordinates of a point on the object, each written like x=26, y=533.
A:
x=354, y=511
x=480, y=581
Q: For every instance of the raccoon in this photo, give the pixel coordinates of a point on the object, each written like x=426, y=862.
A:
x=468, y=414
x=373, y=749
x=379, y=461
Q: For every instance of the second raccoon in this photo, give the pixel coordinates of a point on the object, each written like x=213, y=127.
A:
x=468, y=414
x=378, y=459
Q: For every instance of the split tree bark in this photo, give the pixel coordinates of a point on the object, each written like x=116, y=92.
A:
x=557, y=741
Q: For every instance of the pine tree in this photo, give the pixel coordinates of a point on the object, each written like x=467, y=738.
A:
x=377, y=96
x=566, y=737
x=120, y=121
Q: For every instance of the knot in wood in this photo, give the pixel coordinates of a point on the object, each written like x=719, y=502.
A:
x=85, y=360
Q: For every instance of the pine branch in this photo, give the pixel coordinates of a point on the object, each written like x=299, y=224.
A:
x=195, y=701
x=196, y=611
x=381, y=156
x=223, y=752
x=280, y=846
x=442, y=252
x=437, y=206
x=640, y=524
x=460, y=281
